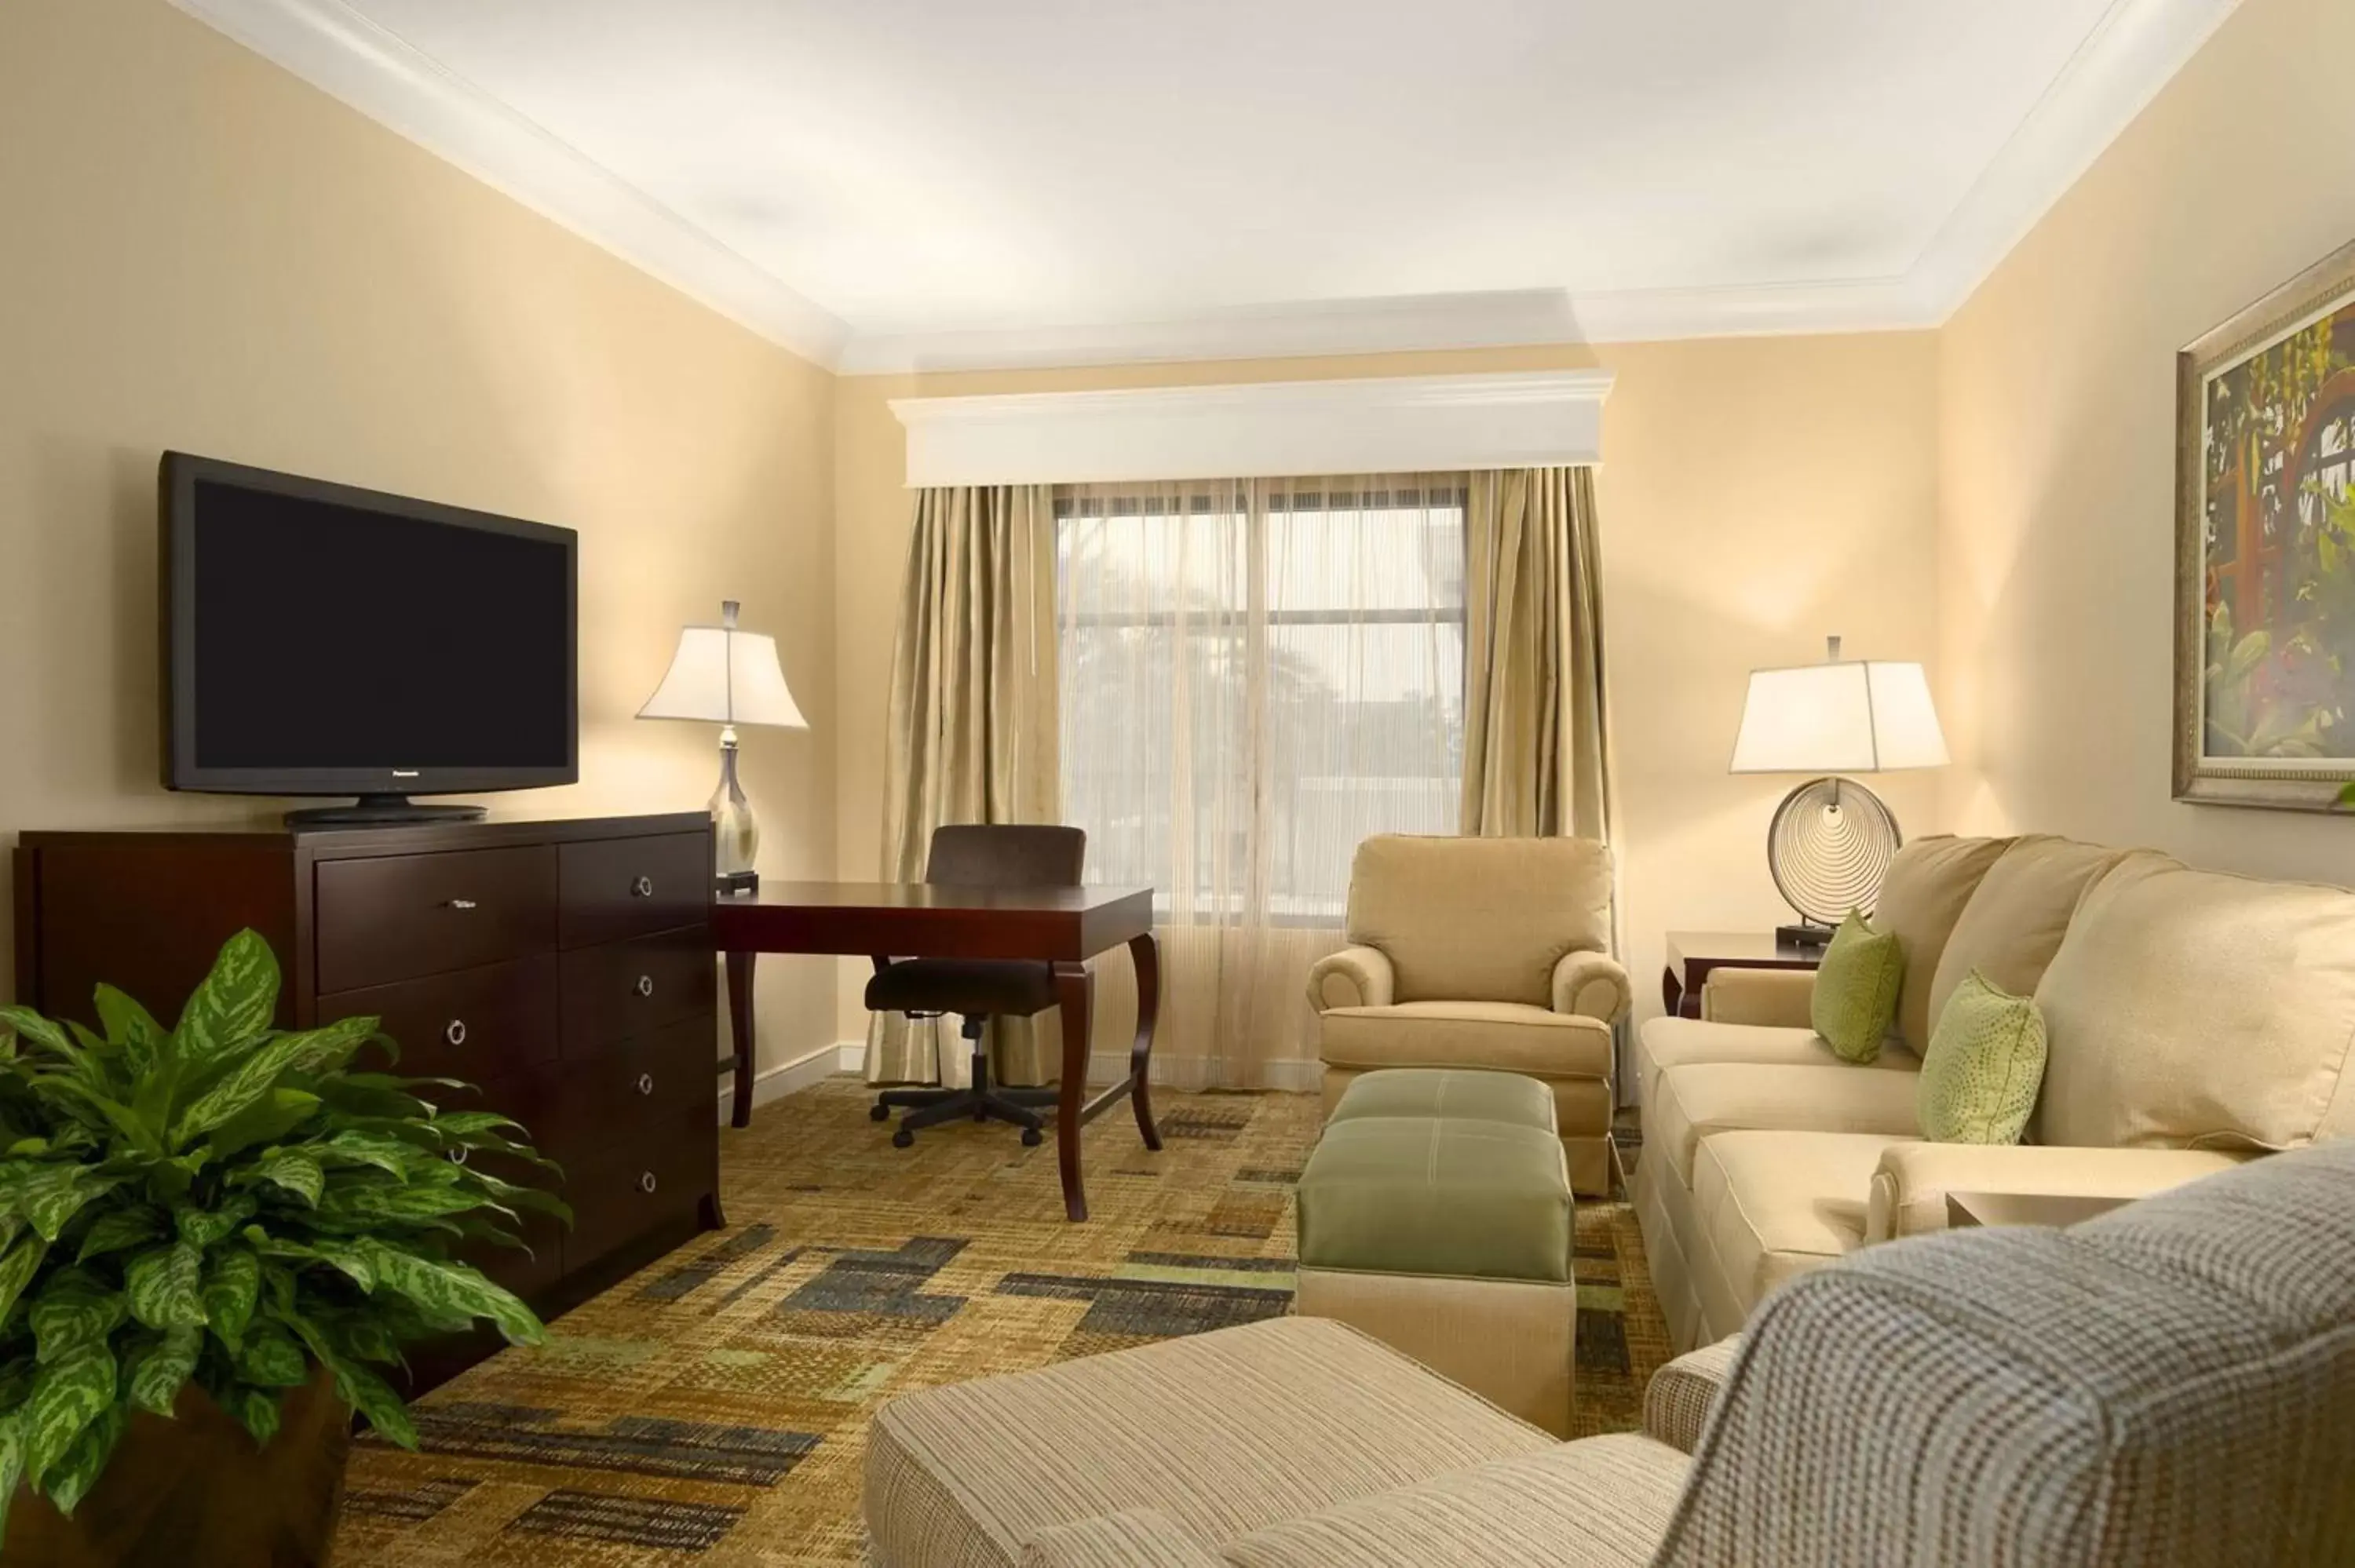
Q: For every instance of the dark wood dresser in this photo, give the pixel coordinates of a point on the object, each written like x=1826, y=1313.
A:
x=565, y=967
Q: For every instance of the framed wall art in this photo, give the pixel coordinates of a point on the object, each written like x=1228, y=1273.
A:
x=2265, y=642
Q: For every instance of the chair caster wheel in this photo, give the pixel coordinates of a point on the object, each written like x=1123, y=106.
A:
x=903, y=1139
x=878, y=1113
x=1032, y=1138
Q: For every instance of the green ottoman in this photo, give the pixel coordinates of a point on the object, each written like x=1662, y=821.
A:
x=1448, y=1236
x=1467, y=1093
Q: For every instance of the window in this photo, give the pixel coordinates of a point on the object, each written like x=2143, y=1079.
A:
x=1255, y=676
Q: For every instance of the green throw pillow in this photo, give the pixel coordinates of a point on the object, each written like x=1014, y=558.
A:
x=1985, y=1064
x=1856, y=989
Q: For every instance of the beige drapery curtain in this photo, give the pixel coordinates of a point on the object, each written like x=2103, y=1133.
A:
x=971, y=732
x=1536, y=736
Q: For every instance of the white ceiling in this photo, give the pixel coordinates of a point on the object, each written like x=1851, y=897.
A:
x=888, y=183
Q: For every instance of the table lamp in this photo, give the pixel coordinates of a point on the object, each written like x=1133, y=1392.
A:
x=724, y=676
x=1832, y=839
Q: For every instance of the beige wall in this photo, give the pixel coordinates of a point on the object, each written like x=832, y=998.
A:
x=198, y=251
x=1756, y=494
x=2058, y=446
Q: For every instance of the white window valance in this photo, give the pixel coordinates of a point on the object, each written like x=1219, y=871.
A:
x=1550, y=419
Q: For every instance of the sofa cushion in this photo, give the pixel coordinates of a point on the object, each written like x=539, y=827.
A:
x=1467, y=1095
x=1225, y=1433
x=1501, y=1036
x=1434, y=1196
x=2192, y=1009
x=1481, y=918
x=2015, y=920
x=1773, y=1204
x=1711, y=1098
x=1597, y=1502
x=1929, y=883
x=1665, y=1043
x=1854, y=1001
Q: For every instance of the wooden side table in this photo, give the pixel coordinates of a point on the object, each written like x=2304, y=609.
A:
x=1692, y=954
x=2025, y=1208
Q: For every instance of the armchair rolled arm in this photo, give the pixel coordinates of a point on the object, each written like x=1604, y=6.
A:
x=1780, y=999
x=1592, y=985
x=1354, y=977
x=1676, y=1402
x=1908, y=1191
x=1135, y=1537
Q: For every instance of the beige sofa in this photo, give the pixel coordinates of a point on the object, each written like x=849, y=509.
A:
x=2165, y=1384
x=2194, y=1019
x=1487, y=953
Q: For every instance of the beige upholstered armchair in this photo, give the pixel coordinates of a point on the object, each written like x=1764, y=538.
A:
x=1487, y=953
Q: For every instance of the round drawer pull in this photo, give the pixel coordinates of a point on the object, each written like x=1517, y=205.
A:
x=457, y=1156
x=456, y=1031
x=643, y=887
x=645, y=1181
x=645, y=1083
x=461, y=905
x=646, y=986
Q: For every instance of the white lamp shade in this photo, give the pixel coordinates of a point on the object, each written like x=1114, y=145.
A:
x=1852, y=716
x=722, y=675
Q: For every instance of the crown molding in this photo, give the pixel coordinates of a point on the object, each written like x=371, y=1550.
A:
x=1258, y=430
x=2133, y=52
x=351, y=58
x=1520, y=319
x=1296, y=331
x=2136, y=47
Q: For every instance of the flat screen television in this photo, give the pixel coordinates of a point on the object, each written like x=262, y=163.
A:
x=321, y=640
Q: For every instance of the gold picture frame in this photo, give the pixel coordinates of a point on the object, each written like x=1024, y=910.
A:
x=2265, y=565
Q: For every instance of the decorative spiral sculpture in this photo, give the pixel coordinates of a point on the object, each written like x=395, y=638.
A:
x=1829, y=847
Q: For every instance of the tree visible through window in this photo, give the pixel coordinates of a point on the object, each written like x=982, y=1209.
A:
x=1255, y=676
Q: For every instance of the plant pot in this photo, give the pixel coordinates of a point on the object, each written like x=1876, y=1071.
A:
x=194, y=1491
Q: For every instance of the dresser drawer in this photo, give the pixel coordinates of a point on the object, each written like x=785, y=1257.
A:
x=618, y=888
x=608, y=1098
x=625, y=989
x=532, y=1269
x=657, y=1182
x=476, y=1025
x=638, y=1131
x=394, y=917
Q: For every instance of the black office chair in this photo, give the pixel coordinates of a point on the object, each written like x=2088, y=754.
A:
x=978, y=990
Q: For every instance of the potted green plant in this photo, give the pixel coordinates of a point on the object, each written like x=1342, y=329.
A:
x=211, y=1236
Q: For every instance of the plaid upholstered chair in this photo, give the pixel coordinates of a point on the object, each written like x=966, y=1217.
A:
x=2173, y=1383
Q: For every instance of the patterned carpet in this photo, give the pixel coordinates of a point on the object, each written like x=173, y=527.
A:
x=712, y=1409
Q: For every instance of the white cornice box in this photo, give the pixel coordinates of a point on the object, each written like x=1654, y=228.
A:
x=1550, y=419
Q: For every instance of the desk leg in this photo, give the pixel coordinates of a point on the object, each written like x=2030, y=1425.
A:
x=1075, y=995
x=739, y=1028
x=1146, y=951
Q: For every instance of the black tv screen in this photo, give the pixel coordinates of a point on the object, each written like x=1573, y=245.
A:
x=324, y=639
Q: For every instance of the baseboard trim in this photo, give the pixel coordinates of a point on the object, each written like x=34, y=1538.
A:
x=791, y=1078
x=1188, y=1074
x=1298, y=1075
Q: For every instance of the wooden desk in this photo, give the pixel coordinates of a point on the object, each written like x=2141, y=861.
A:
x=1692, y=954
x=1063, y=927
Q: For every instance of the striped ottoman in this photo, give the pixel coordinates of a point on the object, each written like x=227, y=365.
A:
x=1221, y=1433
x=1436, y=1215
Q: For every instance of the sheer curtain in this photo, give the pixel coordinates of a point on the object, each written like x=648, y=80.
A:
x=1254, y=675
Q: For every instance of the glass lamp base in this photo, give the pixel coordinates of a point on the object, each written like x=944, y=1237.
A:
x=735, y=836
